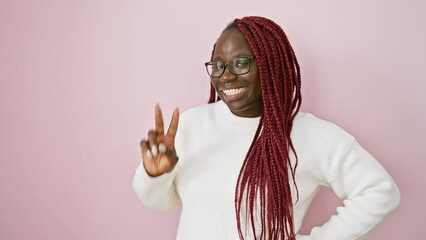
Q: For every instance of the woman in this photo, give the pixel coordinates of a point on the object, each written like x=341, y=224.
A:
x=248, y=164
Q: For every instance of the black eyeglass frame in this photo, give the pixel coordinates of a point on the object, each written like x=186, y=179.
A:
x=250, y=59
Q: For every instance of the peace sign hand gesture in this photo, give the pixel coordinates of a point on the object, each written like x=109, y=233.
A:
x=158, y=152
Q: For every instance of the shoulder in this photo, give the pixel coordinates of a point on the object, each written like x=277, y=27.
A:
x=198, y=115
x=319, y=144
x=319, y=136
x=196, y=118
x=199, y=111
x=194, y=125
x=307, y=123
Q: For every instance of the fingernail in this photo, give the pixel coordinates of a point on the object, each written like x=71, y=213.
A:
x=162, y=147
x=154, y=150
x=148, y=154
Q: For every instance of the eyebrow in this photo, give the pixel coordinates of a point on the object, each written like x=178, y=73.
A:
x=241, y=55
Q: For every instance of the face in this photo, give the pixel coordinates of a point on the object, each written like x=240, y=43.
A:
x=241, y=93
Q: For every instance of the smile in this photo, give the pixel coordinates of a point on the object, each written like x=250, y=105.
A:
x=235, y=91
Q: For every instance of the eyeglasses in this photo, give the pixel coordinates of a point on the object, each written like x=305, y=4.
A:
x=237, y=66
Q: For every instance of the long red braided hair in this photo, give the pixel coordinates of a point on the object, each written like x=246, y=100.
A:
x=266, y=174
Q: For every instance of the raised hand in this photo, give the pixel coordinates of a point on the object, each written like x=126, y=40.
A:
x=158, y=151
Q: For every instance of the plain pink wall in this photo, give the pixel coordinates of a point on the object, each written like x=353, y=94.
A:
x=79, y=79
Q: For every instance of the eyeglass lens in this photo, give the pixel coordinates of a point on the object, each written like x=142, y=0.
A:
x=237, y=66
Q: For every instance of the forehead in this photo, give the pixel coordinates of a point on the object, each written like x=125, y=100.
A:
x=231, y=43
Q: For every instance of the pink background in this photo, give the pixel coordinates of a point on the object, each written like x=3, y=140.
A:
x=79, y=80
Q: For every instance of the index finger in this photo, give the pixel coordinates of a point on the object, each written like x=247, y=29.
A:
x=159, y=123
x=174, y=123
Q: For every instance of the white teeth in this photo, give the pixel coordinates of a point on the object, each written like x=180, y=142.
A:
x=234, y=91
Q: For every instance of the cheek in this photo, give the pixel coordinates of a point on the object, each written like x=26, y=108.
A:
x=258, y=91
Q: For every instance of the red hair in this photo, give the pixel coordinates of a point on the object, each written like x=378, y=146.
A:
x=267, y=172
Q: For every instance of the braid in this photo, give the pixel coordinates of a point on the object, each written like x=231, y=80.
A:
x=267, y=172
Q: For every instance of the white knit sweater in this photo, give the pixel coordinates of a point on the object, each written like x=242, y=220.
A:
x=211, y=144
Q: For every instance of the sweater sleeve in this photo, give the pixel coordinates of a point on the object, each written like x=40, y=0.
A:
x=155, y=192
x=368, y=192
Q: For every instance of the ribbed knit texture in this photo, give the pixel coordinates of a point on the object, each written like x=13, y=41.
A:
x=211, y=144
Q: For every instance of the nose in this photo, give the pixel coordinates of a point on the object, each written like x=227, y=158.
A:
x=227, y=76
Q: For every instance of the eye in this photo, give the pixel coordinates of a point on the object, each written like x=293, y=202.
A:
x=241, y=62
x=218, y=65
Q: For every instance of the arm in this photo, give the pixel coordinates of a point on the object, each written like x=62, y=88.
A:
x=153, y=180
x=368, y=192
x=155, y=192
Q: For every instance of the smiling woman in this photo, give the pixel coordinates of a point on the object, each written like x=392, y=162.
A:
x=248, y=164
x=235, y=84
